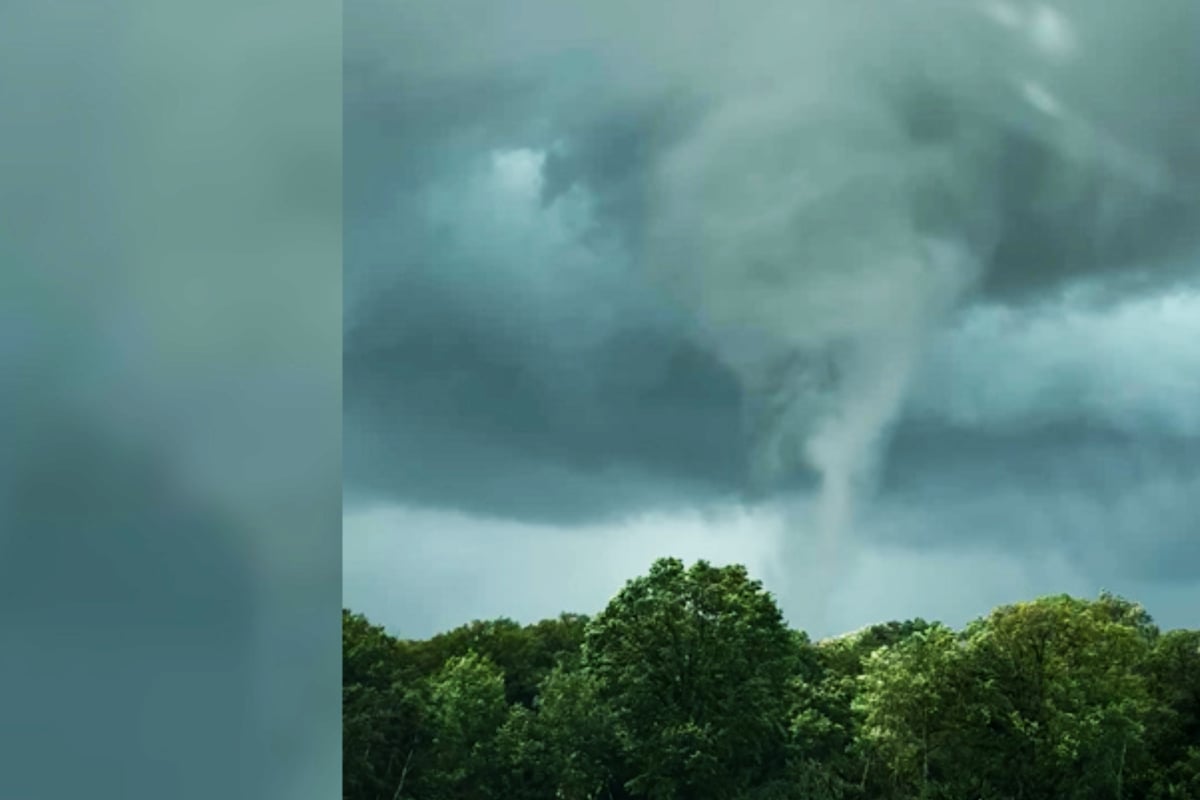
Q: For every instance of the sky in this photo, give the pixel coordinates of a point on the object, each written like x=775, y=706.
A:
x=896, y=304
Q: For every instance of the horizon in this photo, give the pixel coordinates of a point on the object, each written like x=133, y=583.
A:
x=1183, y=621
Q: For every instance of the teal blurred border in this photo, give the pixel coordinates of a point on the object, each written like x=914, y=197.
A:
x=170, y=399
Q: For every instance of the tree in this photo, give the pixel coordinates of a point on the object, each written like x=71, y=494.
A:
x=821, y=729
x=688, y=685
x=524, y=654
x=467, y=708
x=695, y=664
x=565, y=747
x=909, y=702
x=830, y=754
x=1062, y=699
x=382, y=717
x=1173, y=671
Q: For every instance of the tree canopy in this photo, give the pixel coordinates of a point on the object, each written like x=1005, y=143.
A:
x=689, y=685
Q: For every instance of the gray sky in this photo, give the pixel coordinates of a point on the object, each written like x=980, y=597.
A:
x=900, y=309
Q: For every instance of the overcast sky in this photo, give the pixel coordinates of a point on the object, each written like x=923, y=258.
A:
x=898, y=304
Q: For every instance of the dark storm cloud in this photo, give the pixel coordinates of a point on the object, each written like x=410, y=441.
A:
x=465, y=419
x=457, y=392
x=722, y=219
x=1119, y=503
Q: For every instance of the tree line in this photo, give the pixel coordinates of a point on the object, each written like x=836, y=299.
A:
x=689, y=686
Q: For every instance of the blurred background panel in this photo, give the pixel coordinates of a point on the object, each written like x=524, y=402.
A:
x=170, y=399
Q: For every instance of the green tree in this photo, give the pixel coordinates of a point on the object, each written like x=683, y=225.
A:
x=688, y=685
x=907, y=699
x=1173, y=670
x=695, y=664
x=382, y=717
x=820, y=731
x=1063, y=701
x=566, y=746
x=467, y=708
x=830, y=754
x=525, y=654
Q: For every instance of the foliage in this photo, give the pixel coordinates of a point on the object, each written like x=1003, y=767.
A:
x=911, y=709
x=382, y=719
x=689, y=685
x=563, y=749
x=467, y=708
x=695, y=663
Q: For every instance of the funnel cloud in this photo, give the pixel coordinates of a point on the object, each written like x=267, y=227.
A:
x=920, y=277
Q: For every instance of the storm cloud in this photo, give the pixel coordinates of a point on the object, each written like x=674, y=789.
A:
x=933, y=263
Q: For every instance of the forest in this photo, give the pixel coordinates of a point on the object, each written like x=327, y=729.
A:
x=689, y=685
